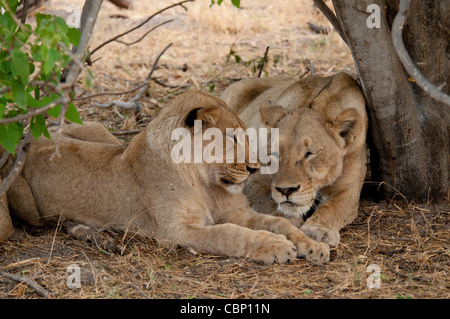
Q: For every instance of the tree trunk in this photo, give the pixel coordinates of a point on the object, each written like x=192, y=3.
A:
x=409, y=132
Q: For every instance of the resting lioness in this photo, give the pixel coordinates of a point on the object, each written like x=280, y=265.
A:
x=322, y=125
x=99, y=182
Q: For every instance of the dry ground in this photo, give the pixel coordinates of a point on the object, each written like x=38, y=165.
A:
x=410, y=243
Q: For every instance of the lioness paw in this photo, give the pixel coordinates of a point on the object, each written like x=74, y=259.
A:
x=273, y=249
x=321, y=233
x=314, y=251
x=102, y=239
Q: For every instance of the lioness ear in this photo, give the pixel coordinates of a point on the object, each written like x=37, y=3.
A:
x=348, y=124
x=271, y=115
x=208, y=115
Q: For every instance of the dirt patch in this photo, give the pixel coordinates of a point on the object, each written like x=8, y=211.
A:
x=407, y=243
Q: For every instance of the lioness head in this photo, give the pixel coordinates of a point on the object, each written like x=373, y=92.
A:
x=213, y=144
x=312, y=149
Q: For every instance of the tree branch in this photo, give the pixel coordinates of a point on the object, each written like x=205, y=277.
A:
x=138, y=26
x=145, y=34
x=4, y=158
x=18, y=164
x=89, y=17
x=263, y=62
x=64, y=107
x=408, y=63
x=25, y=11
x=30, y=114
x=331, y=18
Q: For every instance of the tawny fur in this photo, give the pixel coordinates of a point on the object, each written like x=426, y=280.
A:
x=323, y=125
x=99, y=182
x=6, y=228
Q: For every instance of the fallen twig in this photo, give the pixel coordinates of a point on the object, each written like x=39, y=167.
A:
x=133, y=102
x=137, y=27
x=22, y=263
x=226, y=69
x=109, y=93
x=318, y=28
x=391, y=268
x=331, y=18
x=28, y=281
x=172, y=86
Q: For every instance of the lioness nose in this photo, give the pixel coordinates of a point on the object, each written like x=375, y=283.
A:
x=286, y=191
x=252, y=170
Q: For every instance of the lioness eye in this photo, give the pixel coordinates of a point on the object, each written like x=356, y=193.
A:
x=308, y=154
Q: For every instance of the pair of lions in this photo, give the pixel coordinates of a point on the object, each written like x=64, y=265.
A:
x=99, y=182
x=322, y=125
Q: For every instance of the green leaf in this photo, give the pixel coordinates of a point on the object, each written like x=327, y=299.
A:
x=18, y=93
x=22, y=34
x=49, y=62
x=12, y=4
x=61, y=25
x=20, y=65
x=74, y=36
x=10, y=135
x=2, y=109
x=236, y=3
x=42, y=18
x=31, y=101
x=46, y=133
x=54, y=111
x=37, y=126
x=72, y=114
x=43, y=53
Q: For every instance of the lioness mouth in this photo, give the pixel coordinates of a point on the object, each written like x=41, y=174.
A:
x=288, y=202
x=225, y=181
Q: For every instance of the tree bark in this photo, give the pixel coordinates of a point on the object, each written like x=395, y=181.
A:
x=409, y=131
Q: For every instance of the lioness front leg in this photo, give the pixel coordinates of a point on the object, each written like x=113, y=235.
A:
x=324, y=225
x=236, y=241
x=312, y=250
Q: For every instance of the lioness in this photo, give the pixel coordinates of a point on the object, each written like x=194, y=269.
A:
x=322, y=125
x=98, y=182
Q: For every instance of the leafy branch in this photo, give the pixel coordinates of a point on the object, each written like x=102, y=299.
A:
x=30, y=74
x=32, y=86
x=236, y=3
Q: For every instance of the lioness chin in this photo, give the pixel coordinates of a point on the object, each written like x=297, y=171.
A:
x=322, y=125
x=100, y=183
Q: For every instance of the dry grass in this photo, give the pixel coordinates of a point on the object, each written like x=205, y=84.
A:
x=409, y=242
